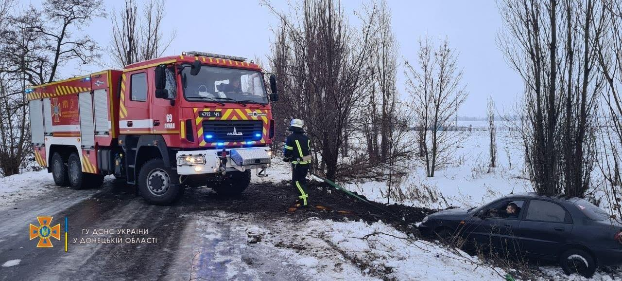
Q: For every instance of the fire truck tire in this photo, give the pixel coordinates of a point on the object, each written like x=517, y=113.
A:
x=157, y=184
x=59, y=170
x=74, y=171
x=234, y=183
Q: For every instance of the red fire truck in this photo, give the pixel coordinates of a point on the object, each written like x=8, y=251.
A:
x=160, y=125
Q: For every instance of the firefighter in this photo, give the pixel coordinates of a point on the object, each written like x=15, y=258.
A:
x=234, y=85
x=297, y=150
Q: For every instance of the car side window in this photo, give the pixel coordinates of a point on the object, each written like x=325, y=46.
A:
x=545, y=211
x=138, y=87
x=507, y=209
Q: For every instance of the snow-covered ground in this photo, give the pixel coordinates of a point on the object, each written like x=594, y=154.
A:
x=467, y=182
x=25, y=185
x=325, y=250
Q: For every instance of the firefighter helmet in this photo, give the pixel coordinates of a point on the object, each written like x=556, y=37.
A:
x=296, y=124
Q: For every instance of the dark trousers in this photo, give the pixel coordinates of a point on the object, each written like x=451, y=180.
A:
x=299, y=181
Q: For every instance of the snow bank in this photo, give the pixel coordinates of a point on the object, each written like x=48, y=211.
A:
x=28, y=184
x=388, y=252
x=323, y=250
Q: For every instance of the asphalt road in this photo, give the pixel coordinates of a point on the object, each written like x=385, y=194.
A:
x=115, y=235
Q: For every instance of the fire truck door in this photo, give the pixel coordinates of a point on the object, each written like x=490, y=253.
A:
x=134, y=107
x=162, y=110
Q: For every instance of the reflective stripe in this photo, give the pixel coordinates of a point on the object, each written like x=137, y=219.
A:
x=289, y=147
x=300, y=162
x=299, y=148
x=304, y=195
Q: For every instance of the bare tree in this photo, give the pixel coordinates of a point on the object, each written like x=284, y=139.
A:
x=320, y=57
x=34, y=44
x=551, y=44
x=436, y=91
x=610, y=65
x=378, y=110
x=52, y=29
x=13, y=128
x=492, y=130
x=138, y=38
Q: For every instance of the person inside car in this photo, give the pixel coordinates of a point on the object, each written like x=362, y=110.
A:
x=512, y=210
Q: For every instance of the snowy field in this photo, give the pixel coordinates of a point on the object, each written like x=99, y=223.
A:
x=467, y=182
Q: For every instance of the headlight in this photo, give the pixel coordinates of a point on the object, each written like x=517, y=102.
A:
x=190, y=160
x=425, y=219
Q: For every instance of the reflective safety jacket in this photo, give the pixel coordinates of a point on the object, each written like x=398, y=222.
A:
x=298, y=148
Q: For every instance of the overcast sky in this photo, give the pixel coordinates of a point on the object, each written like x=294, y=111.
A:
x=244, y=28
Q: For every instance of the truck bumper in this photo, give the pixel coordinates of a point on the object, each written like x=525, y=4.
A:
x=237, y=159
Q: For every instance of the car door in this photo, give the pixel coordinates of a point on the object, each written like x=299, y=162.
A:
x=496, y=231
x=478, y=229
x=545, y=228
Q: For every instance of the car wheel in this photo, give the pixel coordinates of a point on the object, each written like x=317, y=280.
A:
x=157, y=184
x=59, y=170
x=578, y=261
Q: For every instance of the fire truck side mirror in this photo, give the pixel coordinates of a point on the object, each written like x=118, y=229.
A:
x=160, y=77
x=196, y=67
x=160, y=82
x=274, y=96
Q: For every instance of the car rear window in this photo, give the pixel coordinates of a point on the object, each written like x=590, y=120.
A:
x=591, y=210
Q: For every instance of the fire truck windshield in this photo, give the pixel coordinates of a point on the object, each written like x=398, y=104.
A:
x=224, y=85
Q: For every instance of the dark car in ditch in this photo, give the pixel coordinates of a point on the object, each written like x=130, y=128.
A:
x=572, y=231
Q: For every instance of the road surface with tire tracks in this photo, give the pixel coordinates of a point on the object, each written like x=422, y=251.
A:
x=115, y=235
x=165, y=252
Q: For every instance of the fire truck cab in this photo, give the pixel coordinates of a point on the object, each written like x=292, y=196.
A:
x=198, y=118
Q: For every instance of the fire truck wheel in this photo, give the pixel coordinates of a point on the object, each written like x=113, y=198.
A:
x=234, y=183
x=157, y=184
x=74, y=170
x=59, y=170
